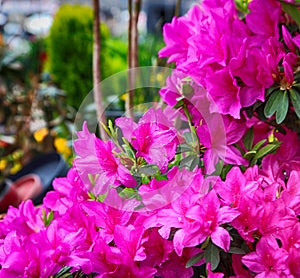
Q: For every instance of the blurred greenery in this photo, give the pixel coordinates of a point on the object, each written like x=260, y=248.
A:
x=70, y=48
x=70, y=51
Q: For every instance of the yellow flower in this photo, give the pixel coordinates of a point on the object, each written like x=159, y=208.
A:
x=61, y=145
x=3, y=164
x=40, y=134
x=16, y=168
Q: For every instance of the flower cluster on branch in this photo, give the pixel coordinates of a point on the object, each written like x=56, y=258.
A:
x=207, y=186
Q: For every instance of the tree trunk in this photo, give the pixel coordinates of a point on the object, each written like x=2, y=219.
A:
x=134, y=7
x=98, y=98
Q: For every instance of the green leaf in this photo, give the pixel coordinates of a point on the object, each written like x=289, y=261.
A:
x=182, y=148
x=270, y=148
x=195, y=163
x=179, y=103
x=63, y=272
x=248, y=139
x=148, y=170
x=47, y=218
x=128, y=150
x=236, y=250
x=212, y=255
x=292, y=10
x=283, y=108
x=195, y=259
x=259, y=144
x=273, y=103
x=161, y=177
x=187, y=89
x=129, y=193
x=249, y=155
x=295, y=98
x=187, y=161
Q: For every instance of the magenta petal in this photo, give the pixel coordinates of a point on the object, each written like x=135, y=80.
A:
x=221, y=238
x=227, y=214
x=252, y=261
x=127, y=125
x=288, y=40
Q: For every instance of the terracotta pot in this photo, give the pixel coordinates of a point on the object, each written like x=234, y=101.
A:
x=48, y=167
x=28, y=186
x=8, y=196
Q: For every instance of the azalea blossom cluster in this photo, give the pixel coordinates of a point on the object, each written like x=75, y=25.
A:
x=198, y=187
x=100, y=226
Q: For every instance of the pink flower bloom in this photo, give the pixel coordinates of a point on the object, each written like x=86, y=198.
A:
x=96, y=157
x=274, y=217
x=154, y=138
x=175, y=267
x=23, y=257
x=106, y=218
x=204, y=220
x=225, y=92
x=291, y=195
x=111, y=166
x=235, y=187
x=218, y=137
x=24, y=220
x=213, y=274
x=157, y=248
x=263, y=18
x=289, y=63
x=290, y=239
x=293, y=263
x=288, y=39
x=268, y=260
x=246, y=223
x=239, y=270
x=176, y=35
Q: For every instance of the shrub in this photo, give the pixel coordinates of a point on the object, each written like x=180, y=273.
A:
x=70, y=49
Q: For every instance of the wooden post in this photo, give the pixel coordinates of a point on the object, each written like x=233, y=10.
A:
x=98, y=98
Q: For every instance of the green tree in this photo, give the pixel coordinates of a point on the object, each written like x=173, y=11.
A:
x=70, y=49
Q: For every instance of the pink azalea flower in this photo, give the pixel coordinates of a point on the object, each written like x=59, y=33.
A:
x=123, y=260
x=213, y=274
x=22, y=257
x=288, y=39
x=210, y=215
x=239, y=270
x=225, y=92
x=104, y=258
x=24, y=220
x=263, y=18
x=111, y=166
x=293, y=263
x=157, y=248
x=274, y=216
x=291, y=195
x=106, y=218
x=218, y=137
x=268, y=260
x=198, y=221
x=176, y=35
x=234, y=187
x=175, y=267
x=246, y=223
x=290, y=238
x=154, y=138
x=289, y=63
x=96, y=157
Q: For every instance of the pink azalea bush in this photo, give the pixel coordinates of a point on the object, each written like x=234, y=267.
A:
x=218, y=196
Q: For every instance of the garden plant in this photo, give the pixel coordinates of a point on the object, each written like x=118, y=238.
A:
x=206, y=184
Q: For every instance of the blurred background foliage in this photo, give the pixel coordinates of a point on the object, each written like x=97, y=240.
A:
x=70, y=47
